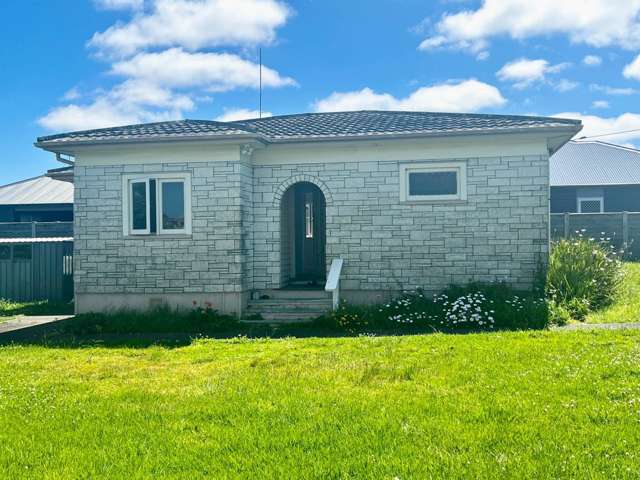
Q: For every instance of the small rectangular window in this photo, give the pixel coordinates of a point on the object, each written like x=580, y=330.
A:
x=22, y=252
x=308, y=215
x=172, y=206
x=590, y=205
x=159, y=204
x=5, y=253
x=434, y=181
x=140, y=212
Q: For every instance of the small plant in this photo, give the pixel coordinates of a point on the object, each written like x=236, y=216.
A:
x=584, y=274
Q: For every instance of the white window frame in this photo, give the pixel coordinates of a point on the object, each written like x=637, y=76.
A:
x=128, y=180
x=460, y=168
x=187, y=207
x=129, y=195
x=591, y=199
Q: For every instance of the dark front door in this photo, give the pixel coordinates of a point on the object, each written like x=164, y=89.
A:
x=309, y=243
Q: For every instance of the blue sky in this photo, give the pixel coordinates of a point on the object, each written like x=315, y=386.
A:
x=77, y=64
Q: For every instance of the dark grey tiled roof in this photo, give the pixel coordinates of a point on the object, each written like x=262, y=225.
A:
x=175, y=128
x=594, y=164
x=320, y=125
x=364, y=123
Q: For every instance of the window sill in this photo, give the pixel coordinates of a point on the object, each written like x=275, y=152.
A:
x=176, y=236
x=434, y=202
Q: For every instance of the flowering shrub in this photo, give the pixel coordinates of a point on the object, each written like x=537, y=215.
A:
x=471, y=311
x=584, y=274
x=474, y=307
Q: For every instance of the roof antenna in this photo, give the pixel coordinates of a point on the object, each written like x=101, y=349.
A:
x=260, y=107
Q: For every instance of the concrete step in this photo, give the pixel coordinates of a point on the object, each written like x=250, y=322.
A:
x=296, y=307
x=291, y=294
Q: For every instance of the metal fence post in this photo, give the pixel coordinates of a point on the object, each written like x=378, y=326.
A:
x=625, y=229
x=566, y=225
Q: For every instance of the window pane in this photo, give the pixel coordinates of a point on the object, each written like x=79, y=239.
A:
x=590, y=206
x=433, y=183
x=22, y=252
x=139, y=205
x=172, y=205
x=308, y=215
x=153, y=216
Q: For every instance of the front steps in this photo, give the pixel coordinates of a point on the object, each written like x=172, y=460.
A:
x=289, y=306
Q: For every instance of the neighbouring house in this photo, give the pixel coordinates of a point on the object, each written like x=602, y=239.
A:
x=36, y=238
x=595, y=177
x=239, y=213
x=39, y=199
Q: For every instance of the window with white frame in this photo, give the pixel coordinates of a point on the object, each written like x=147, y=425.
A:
x=590, y=204
x=433, y=181
x=157, y=204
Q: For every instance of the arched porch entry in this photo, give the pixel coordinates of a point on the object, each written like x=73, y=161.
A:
x=303, y=236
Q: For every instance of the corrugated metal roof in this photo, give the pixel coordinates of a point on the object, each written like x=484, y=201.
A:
x=36, y=240
x=591, y=163
x=309, y=126
x=38, y=190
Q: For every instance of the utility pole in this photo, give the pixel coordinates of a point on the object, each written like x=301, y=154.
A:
x=260, y=87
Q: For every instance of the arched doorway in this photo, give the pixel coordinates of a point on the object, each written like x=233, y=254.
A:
x=303, y=236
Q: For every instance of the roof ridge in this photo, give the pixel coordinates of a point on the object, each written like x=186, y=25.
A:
x=23, y=181
x=607, y=144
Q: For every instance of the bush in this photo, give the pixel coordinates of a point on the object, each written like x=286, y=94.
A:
x=159, y=320
x=474, y=307
x=583, y=275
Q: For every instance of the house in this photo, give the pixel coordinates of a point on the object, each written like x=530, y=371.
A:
x=595, y=177
x=39, y=199
x=238, y=213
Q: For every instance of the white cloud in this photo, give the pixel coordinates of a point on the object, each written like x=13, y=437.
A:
x=592, y=60
x=234, y=114
x=600, y=104
x=564, y=85
x=212, y=71
x=524, y=72
x=133, y=101
x=632, y=70
x=599, y=23
x=465, y=96
x=194, y=25
x=72, y=94
x=594, y=87
x=119, y=4
x=594, y=125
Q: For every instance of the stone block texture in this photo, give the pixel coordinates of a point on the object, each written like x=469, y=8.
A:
x=499, y=233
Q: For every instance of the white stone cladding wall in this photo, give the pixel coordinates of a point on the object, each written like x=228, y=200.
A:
x=499, y=233
x=213, y=260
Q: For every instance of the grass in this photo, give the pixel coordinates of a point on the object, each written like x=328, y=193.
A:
x=626, y=307
x=9, y=310
x=501, y=405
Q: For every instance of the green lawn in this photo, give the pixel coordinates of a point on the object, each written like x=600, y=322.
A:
x=627, y=307
x=500, y=405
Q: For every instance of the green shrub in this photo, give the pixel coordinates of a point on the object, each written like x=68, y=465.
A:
x=159, y=320
x=583, y=275
x=474, y=307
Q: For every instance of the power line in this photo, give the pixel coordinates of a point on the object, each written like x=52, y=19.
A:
x=610, y=134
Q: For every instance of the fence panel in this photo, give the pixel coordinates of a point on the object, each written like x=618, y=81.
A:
x=37, y=271
x=621, y=229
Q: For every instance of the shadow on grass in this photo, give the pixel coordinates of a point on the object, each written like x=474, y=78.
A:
x=13, y=309
x=71, y=333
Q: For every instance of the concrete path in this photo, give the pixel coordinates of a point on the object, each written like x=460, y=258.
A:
x=599, y=326
x=30, y=321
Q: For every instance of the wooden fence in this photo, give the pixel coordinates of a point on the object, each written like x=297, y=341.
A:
x=621, y=229
x=36, y=270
